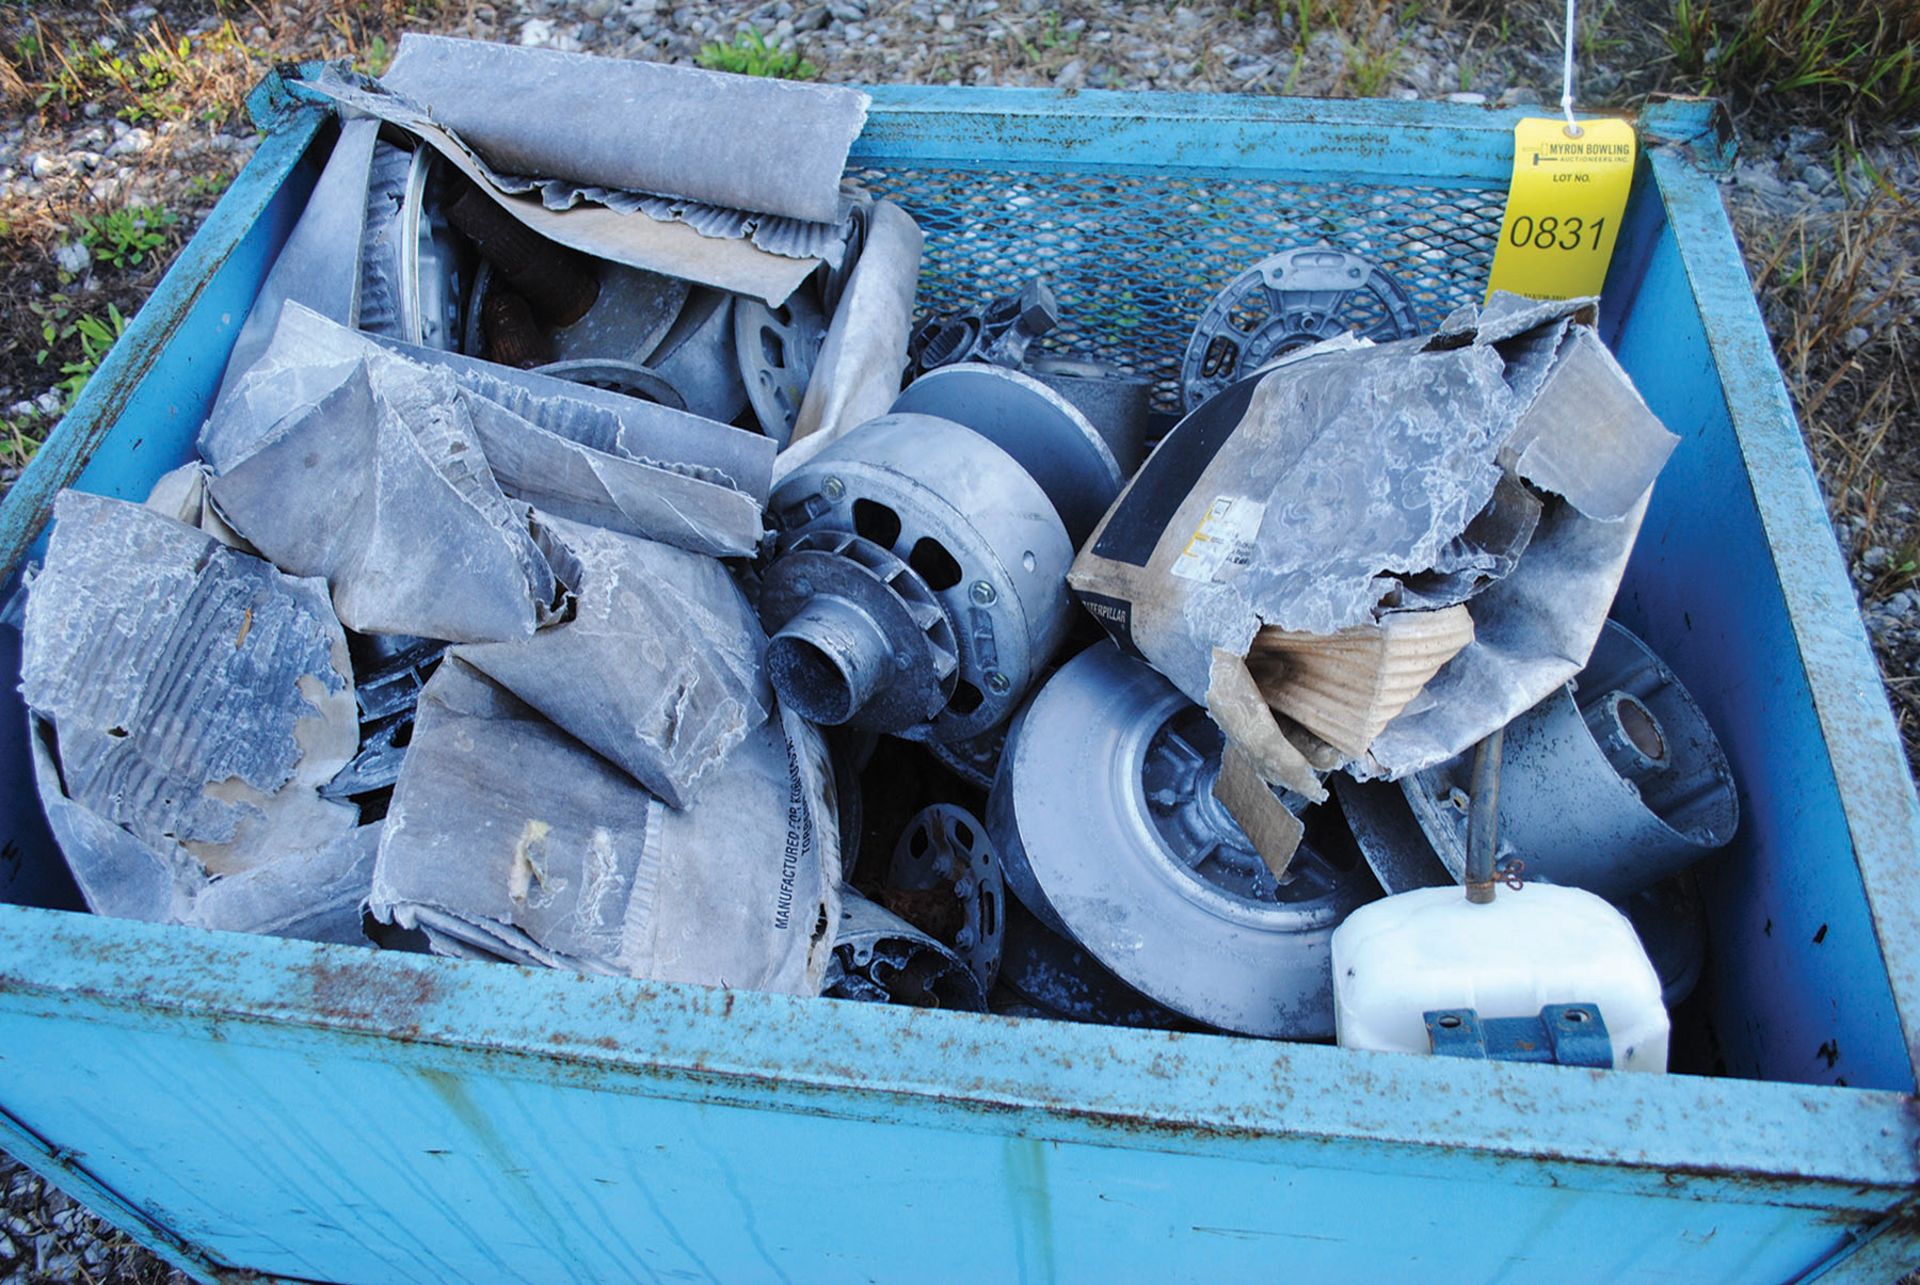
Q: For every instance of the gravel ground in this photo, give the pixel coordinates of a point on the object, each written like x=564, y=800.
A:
x=1832, y=260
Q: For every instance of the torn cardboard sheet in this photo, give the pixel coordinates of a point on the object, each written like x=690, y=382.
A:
x=1333, y=495
x=585, y=453
x=382, y=489
x=315, y=895
x=670, y=246
x=507, y=838
x=660, y=668
x=857, y=374
x=319, y=265
x=199, y=698
x=182, y=496
x=744, y=142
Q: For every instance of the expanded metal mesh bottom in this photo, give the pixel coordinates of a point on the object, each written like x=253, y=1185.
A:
x=1135, y=259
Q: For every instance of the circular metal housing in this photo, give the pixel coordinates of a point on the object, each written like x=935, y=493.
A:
x=1062, y=980
x=974, y=528
x=1611, y=784
x=880, y=958
x=857, y=638
x=1290, y=300
x=1038, y=427
x=945, y=850
x=777, y=348
x=697, y=356
x=1118, y=405
x=626, y=377
x=432, y=258
x=1104, y=816
x=628, y=319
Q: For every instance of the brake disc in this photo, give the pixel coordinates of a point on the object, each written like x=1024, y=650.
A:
x=1290, y=300
x=1108, y=829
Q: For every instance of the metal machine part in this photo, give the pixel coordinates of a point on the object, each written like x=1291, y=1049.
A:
x=945, y=851
x=698, y=357
x=559, y=283
x=1563, y=1035
x=1611, y=784
x=1105, y=817
x=832, y=279
x=1287, y=301
x=1671, y=918
x=880, y=958
x=1058, y=978
x=975, y=759
x=630, y=378
x=998, y=333
x=862, y=639
x=386, y=695
x=434, y=262
x=379, y=296
x=777, y=348
x=1118, y=405
x=630, y=316
x=978, y=540
x=1039, y=428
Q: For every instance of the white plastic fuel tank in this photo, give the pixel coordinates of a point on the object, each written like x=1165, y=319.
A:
x=1397, y=959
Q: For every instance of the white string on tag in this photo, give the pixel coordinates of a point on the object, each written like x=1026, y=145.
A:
x=1566, y=78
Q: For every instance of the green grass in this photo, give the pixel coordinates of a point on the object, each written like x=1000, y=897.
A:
x=751, y=55
x=1846, y=63
x=127, y=237
x=79, y=341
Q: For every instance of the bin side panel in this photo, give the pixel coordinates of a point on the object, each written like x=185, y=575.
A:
x=327, y=1156
x=1799, y=991
x=136, y=419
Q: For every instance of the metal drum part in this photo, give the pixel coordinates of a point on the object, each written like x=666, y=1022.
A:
x=697, y=356
x=631, y=315
x=952, y=596
x=880, y=958
x=1287, y=301
x=1038, y=427
x=1108, y=828
x=777, y=348
x=1118, y=405
x=1057, y=978
x=945, y=854
x=1611, y=784
x=630, y=378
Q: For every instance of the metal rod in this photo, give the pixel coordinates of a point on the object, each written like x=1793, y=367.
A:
x=1483, y=818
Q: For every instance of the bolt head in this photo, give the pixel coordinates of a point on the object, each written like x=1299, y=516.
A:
x=834, y=488
x=999, y=684
x=964, y=938
x=982, y=593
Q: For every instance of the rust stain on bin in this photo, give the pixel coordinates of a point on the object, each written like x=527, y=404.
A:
x=373, y=991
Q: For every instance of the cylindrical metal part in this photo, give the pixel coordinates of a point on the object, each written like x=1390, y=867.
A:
x=829, y=660
x=551, y=277
x=1612, y=784
x=973, y=541
x=509, y=333
x=1483, y=818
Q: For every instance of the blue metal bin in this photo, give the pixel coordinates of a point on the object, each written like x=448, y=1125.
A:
x=253, y=1104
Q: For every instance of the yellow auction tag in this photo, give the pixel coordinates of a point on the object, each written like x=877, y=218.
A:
x=1563, y=212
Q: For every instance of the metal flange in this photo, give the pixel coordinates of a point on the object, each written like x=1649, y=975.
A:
x=944, y=849
x=974, y=527
x=1107, y=827
x=777, y=348
x=1039, y=428
x=628, y=377
x=1287, y=301
x=856, y=637
x=433, y=261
